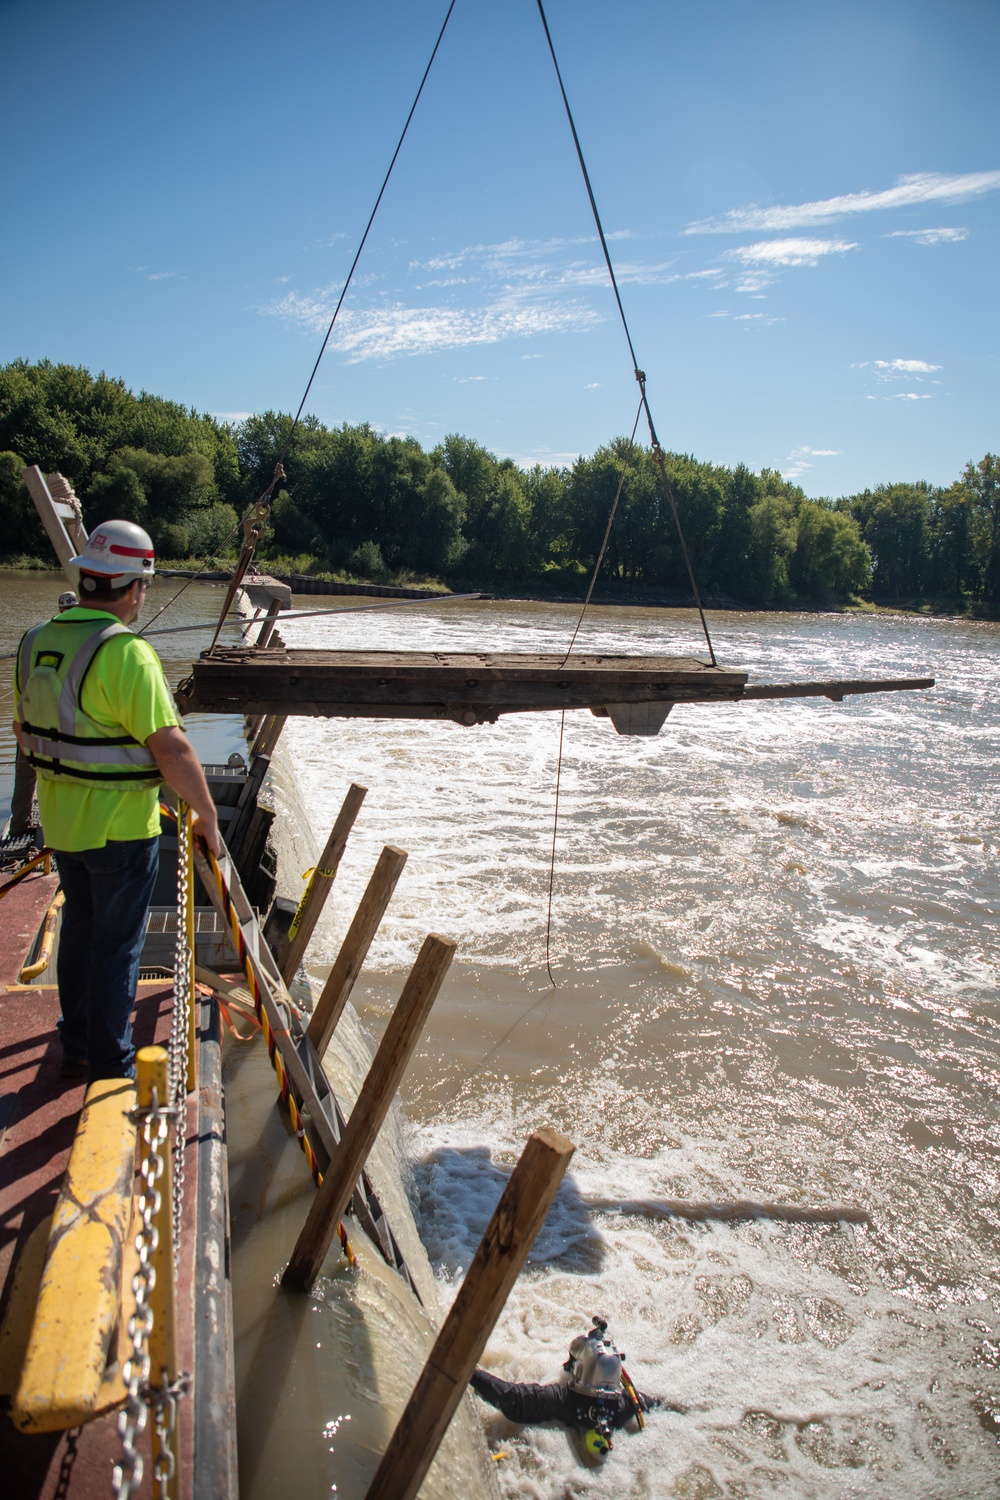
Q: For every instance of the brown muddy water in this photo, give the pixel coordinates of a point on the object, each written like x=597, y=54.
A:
x=774, y=941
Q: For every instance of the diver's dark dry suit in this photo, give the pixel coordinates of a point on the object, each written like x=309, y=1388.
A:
x=530, y=1404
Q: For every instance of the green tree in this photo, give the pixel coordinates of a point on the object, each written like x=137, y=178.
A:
x=895, y=523
x=21, y=534
x=214, y=530
x=830, y=558
x=956, y=566
x=981, y=482
x=773, y=535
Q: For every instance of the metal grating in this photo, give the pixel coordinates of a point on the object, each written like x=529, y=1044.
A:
x=163, y=919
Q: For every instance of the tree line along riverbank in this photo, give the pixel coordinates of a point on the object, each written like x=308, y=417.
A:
x=359, y=505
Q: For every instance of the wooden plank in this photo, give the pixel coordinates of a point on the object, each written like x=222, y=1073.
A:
x=77, y=1309
x=321, y=883
x=466, y=687
x=354, y=950
x=836, y=690
x=52, y=517
x=459, y=1346
x=476, y=688
x=372, y=1106
x=269, y=734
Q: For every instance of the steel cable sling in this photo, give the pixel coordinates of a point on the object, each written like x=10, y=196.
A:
x=254, y=521
x=640, y=375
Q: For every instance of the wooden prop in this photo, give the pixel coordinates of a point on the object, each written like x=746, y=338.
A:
x=321, y=882
x=269, y=734
x=384, y=1075
x=352, y=955
x=270, y=620
x=458, y=1348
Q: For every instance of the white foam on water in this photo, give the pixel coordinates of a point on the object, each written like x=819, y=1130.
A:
x=774, y=932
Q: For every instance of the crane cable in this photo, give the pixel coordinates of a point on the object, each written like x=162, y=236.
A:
x=658, y=458
x=639, y=374
x=257, y=513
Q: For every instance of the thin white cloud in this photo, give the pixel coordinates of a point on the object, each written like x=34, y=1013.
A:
x=763, y=320
x=893, y=372
x=389, y=332
x=469, y=379
x=799, y=462
x=158, y=275
x=906, y=366
x=628, y=271
x=942, y=236
x=909, y=191
x=231, y=416
x=595, y=385
x=507, y=251
x=545, y=458
x=793, y=252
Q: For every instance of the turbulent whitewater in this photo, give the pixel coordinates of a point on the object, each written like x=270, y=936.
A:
x=774, y=939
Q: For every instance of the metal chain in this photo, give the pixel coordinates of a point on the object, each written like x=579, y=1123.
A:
x=180, y=1019
x=164, y=1418
x=132, y=1421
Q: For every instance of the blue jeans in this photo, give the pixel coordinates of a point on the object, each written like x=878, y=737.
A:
x=108, y=892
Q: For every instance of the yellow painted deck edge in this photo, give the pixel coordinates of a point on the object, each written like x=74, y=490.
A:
x=77, y=1310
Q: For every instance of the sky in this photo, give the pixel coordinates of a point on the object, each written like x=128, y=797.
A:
x=802, y=202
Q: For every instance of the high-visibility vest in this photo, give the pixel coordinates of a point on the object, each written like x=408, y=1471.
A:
x=61, y=740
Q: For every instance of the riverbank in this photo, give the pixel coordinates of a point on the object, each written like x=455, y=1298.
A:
x=628, y=596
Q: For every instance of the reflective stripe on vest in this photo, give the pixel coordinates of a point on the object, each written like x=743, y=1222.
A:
x=61, y=749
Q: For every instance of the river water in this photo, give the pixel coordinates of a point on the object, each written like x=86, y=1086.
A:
x=774, y=946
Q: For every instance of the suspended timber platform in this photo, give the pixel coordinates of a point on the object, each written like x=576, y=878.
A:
x=635, y=692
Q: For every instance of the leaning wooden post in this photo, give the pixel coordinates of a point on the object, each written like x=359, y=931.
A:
x=152, y=1069
x=320, y=883
x=269, y=734
x=253, y=723
x=355, y=947
x=384, y=1075
x=502, y=1252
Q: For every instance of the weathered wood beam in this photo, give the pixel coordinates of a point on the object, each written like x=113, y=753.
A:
x=321, y=883
x=347, y=967
x=457, y=1350
x=476, y=688
x=377, y=1093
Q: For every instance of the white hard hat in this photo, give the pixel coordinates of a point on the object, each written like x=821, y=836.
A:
x=119, y=551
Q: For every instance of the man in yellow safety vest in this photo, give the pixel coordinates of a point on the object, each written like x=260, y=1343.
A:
x=96, y=720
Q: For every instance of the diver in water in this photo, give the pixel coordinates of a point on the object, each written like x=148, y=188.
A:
x=596, y=1399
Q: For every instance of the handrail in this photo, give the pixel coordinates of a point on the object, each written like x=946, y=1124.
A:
x=43, y=857
x=31, y=971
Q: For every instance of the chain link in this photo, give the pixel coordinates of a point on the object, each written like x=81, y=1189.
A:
x=164, y=1417
x=180, y=1019
x=132, y=1421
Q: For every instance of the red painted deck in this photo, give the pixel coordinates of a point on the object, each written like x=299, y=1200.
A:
x=38, y=1115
